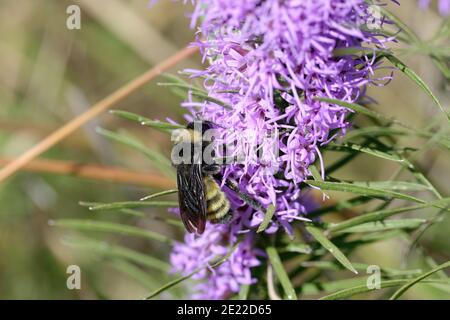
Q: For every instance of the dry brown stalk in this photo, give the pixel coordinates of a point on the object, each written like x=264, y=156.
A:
x=96, y=172
x=95, y=110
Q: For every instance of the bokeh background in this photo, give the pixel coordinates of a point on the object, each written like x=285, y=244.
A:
x=50, y=74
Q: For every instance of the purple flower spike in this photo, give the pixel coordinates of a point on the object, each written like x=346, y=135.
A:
x=270, y=60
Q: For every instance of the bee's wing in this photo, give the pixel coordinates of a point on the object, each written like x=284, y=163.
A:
x=191, y=197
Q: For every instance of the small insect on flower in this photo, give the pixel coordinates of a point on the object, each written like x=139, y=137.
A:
x=199, y=195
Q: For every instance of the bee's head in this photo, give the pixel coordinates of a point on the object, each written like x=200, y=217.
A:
x=201, y=125
x=186, y=136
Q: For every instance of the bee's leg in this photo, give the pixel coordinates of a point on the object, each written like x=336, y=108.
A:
x=211, y=169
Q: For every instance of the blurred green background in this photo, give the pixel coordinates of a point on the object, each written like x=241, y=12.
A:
x=50, y=74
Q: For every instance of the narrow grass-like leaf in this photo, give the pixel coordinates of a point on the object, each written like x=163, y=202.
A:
x=298, y=247
x=244, y=291
x=159, y=194
x=171, y=284
x=411, y=283
x=358, y=51
x=377, y=226
x=267, y=218
x=172, y=221
x=156, y=124
x=109, y=250
x=349, y=292
x=442, y=66
x=128, y=205
x=315, y=173
x=377, y=131
x=132, y=212
x=281, y=273
x=271, y=288
x=157, y=158
x=364, y=191
x=327, y=244
x=387, y=155
x=372, y=114
x=341, y=205
x=380, y=215
x=327, y=287
x=420, y=176
x=392, y=185
x=374, y=132
x=433, y=264
x=414, y=77
x=371, y=238
x=102, y=226
x=332, y=265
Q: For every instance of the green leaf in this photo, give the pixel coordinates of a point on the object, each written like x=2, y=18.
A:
x=332, y=265
x=157, y=158
x=380, y=215
x=349, y=292
x=392, y=185
x=414, y=77
x=341, y=205
x=322, y=287
x=327, y=244
x=298, y=247
x=365, y=191
x=281, y=273
x=420, y=176
x=109, y=250
x=156, y=124
x=340, y=52
x=267, y=218
x=411, y=283
x=373, y=237
x=94, y=206
x=387, y=155
x=385, y=225
x=171, y=284
x=130, y=212
x=315, y=173
x=243, y=292
x=137, y=213
x=159, y=194
x=442, y=66
x=374, y=132
x=101, y=226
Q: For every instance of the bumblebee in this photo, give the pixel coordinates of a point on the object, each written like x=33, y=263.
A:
x=199, y=195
